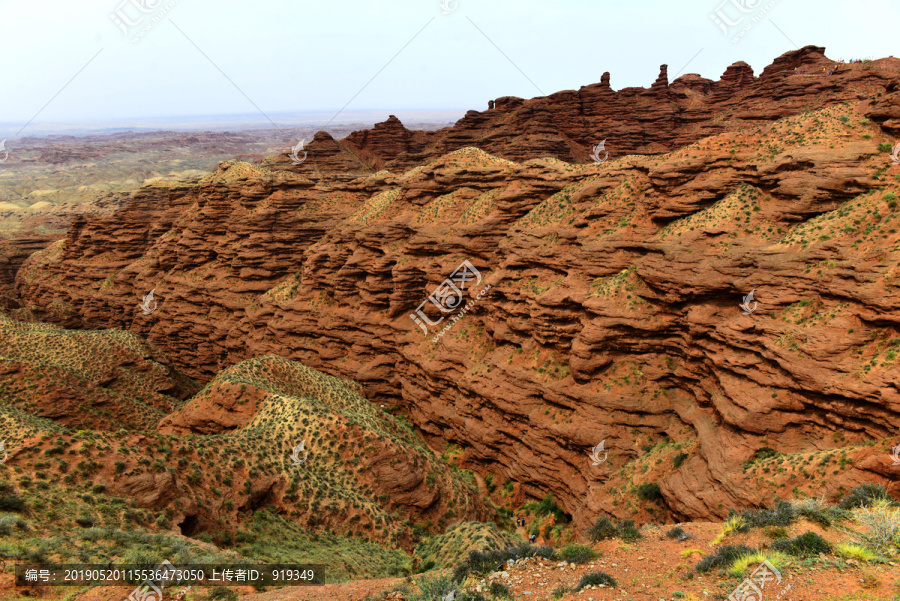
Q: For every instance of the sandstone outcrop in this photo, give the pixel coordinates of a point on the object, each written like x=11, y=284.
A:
x=13, y=252
x=614, y=309
x=264, y=433
x=661, y=118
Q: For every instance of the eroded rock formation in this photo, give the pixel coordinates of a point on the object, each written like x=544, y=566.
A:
x=614, y=308
x=661, y=118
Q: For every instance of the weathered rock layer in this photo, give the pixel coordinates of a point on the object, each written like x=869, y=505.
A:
x=613, y=311
x=567, y=124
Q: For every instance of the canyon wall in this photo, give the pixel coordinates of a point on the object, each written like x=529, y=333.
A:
x=613, y=313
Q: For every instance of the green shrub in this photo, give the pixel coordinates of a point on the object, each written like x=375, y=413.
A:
x=85, y=520
x=596, y=579
x=427, y=565
x=649, y=492
x=461, y=572
x=864, y=496
x=762, y=454
x=885, y=147
x=678, y=533
x=499, y=591
x=547, y=506
x=577, y=553
x=141, y=558
x=8, y=521
x=816, y=511
x=602, y=529
x=560, y=591
x=12, y=503
x=678, y=459
x=222, y=593
x=808, y=544
x=882, y=525
x=780, y=514
x=628, y=531
x=485, y=562
x=723, y=557
x=38, y=554
x=436, y=587
x=776, y=532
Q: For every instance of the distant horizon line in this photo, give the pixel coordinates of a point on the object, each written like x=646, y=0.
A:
x=248, y=116
x=230, y=122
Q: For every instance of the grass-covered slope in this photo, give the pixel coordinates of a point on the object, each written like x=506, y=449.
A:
x=103, y=465
x=104, y=379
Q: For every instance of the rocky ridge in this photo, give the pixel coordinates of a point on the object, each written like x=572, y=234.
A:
x=613, y=309
x=664, y=117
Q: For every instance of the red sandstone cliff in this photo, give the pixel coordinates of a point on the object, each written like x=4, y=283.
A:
x=613, y=313
x=567, y=124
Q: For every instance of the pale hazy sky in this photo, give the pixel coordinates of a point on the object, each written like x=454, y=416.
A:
x=303, y=55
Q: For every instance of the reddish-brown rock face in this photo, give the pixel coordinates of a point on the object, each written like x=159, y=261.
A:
x=613, y=313
x=664, y=117
x=13, y=252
